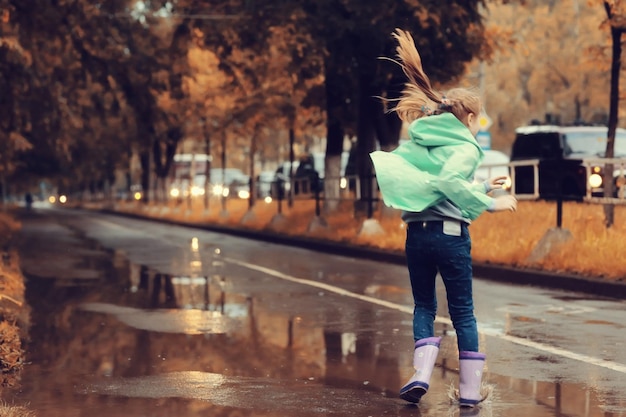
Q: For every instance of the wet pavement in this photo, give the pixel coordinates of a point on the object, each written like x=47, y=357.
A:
x=135, y=318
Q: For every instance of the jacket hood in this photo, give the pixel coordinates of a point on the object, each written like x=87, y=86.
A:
x=439, y=130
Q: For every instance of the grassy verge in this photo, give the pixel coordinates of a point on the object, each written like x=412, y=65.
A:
x=15, y=411
x=14, y=315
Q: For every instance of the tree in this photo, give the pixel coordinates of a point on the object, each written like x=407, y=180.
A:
x=273, y=71
x=616, y=17
x=549, y=61
x=14, y=80
x=29, y=115
x=102, y=59
x=355, y=34
x=138, y=57
x=349, y=36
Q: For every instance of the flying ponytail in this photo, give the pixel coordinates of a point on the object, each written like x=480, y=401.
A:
x=419, y=98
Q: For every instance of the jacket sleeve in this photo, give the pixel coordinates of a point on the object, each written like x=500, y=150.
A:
x=402, y=184
x=454, y=183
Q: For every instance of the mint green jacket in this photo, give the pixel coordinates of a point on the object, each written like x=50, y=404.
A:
x=438, y=163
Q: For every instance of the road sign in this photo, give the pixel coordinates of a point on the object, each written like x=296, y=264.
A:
x=484, y=139
x=484, y=121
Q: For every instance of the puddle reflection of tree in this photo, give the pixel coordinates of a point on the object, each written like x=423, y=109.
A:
x=361, y=358
x=166, y=291
x=189, y=289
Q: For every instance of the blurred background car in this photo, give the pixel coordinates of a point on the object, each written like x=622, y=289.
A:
x=565, y=159
x=494, y=164
x=229, y=182
x=264, y=183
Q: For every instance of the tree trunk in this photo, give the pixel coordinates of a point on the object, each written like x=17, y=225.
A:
x=334, y=135
x=616, y=37
x=369, y=108
x=252, y=183
x=207, y=165
x=144, y=157
x=332, y=182
x=163, y=156
x=3, y=188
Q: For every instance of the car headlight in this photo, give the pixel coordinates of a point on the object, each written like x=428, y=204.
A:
x=197, y=191
x=218, y=189
x=595, y=180
x=174, y=192
x=243, y=194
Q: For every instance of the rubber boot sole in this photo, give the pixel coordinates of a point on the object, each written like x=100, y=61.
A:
x=413, y=394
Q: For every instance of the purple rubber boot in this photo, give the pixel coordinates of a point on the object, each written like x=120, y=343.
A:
x=424, y=358
x=470, y=378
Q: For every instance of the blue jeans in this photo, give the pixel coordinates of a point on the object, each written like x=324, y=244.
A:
x=428, y=251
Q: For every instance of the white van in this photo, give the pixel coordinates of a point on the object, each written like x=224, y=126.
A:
x=495, y=164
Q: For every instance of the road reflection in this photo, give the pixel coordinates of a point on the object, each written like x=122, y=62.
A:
x=227, y=341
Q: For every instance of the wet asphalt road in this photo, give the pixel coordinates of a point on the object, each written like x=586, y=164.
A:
x=136, y=318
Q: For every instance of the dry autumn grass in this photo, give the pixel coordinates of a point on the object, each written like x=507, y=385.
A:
x=498, y=238
x=12, y=312
x=7, y=410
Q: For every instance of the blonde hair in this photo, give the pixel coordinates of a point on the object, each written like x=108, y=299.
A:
x=418, y=97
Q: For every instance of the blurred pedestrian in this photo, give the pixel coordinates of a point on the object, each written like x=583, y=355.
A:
x=28, y=198
x=307, y=177
x=430, y=179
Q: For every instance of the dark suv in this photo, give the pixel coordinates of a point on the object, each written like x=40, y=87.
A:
x=563, y=155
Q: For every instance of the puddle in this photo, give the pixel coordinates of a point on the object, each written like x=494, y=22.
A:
x=247, y=393
x=170, y=321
